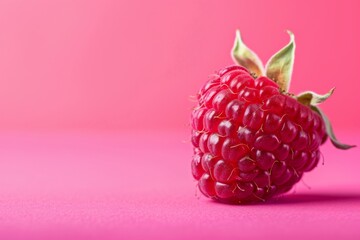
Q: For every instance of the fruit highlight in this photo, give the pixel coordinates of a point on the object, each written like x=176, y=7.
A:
x=252, y=139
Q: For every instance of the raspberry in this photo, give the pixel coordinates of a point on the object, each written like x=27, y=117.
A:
x=252, y=140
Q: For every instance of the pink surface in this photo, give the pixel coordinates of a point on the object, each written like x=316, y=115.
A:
x=134, y=185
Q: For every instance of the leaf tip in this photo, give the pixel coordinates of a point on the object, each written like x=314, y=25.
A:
x=332, y=90
x=237, y=42
x=292, y=36
x=341, y=146
x=237, y=32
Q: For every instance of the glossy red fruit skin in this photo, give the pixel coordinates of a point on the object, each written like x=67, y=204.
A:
x=251, y=142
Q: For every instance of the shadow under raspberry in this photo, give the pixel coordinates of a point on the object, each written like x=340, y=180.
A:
x=301, y=198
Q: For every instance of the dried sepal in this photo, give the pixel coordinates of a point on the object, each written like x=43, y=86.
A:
x=330, y=131
x=311, y=98
x=245, y=57
x=280, y=66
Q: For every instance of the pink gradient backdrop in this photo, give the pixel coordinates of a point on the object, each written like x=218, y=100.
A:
x=94, y=104
x=124, y=64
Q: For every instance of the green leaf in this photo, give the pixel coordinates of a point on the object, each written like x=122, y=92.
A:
x=245, y=57
x=312, y=98
x=330, y=131
x=280, y=66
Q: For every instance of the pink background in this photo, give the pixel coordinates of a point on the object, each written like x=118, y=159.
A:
x=94, y=103
x=121, y=64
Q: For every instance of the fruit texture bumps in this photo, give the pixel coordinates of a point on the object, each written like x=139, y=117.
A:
x=251, y=141
x=251, y=138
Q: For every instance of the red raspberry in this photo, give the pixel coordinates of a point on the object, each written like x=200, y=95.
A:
x=251, y=141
